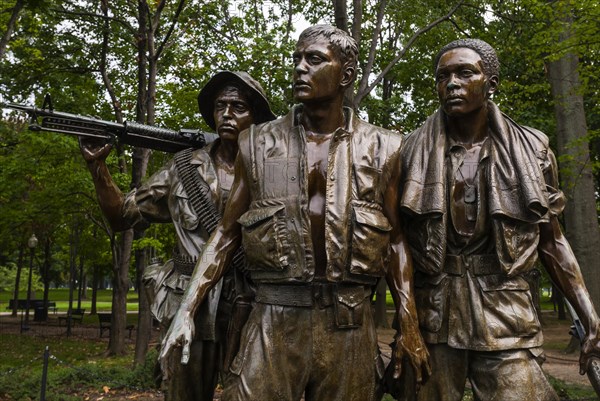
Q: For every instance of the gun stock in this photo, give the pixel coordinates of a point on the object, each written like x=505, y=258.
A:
x=129, y=133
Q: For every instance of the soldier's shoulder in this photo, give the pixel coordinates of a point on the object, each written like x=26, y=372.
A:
x=536, y=135
x=281, y=123
x=416, y=135
x=369, y=130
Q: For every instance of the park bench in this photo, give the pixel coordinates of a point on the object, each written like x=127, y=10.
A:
x=34, y=304
x=41, y=313
x=105, y=323
x=52, y=305
x=76, y=316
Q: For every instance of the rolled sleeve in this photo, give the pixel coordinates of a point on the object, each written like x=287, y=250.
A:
x=556, y=197
x=149, y=203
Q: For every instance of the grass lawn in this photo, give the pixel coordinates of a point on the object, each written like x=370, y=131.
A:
x=79, y=367
x=61, y=297
x=104, y=301
x=76, y=367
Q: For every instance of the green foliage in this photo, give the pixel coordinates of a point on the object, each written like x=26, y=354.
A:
x=8, y=276
x=76, y=366
x=57, y=46
x=161, y=238
x=567, y=391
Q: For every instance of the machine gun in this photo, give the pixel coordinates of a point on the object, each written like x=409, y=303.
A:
x=578, y=331
x=129, y=133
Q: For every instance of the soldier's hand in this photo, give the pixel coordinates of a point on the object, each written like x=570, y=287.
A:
x=412, y=347
x=180, y=334
x=94, y=149
x=590, y=352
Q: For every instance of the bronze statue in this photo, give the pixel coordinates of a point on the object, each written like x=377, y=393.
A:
x=480, y=195
x=189, y=191
x=315, y=204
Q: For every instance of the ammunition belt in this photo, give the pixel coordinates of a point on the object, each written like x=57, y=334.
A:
x=199, y=194
x=184, y=264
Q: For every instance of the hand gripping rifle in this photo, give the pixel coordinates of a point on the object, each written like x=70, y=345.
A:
x=129, y=133
x=577, y=331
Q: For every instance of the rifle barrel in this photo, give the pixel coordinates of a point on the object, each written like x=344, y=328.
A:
x=129, y=133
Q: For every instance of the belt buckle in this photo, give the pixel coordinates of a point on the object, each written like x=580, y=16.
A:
x=318, y=295
x=466, y=266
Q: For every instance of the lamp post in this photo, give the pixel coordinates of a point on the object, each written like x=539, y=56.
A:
x=31, y=243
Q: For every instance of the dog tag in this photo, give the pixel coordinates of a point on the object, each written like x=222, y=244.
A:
x=471, y=212
x=470, y=194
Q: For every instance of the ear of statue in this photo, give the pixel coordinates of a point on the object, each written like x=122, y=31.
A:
x=348, y=75
x=492, y=85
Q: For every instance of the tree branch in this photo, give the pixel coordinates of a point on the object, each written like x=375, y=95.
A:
x=155, y=18
x=94, y=15
x=10, y=27
x=357, y=20
x=364, y=81
x=161, y=47
x=362, y=93
x=103, y=69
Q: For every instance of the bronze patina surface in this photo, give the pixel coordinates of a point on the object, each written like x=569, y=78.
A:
x=229, y=102
x=480, y=195
x=315, y=204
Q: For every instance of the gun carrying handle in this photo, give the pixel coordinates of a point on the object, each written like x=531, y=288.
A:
x=47, y=105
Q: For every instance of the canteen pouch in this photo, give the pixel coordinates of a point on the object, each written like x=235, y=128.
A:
x=348, y=307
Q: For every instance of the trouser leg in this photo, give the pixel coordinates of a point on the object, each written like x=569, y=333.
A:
x=286, y=351
x=449, y=367
x=272, y=361
x=197, y=380
x=344, y=360
x=512, y=375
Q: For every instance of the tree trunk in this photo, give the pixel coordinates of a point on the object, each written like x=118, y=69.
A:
x=144, y=331
x=84, y=285
x=340, y=11
x=95, y=284
x=357, y=20
x=80, y=282
x=577, y=181
x=116, y=343
x=46, y=274
x=146, y=99
x=18, y=279
x=10, y=27
x=74, y=243
x=559, y=301
x=380, y=317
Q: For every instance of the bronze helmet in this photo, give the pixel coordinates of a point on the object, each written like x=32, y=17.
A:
x=260, y=105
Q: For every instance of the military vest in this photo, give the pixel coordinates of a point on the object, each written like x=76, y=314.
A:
x=276, y=230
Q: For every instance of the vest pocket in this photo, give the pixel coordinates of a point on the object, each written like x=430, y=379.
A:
x=265, y=238
x=183, y=212
x=508, y=307
x=370, y=242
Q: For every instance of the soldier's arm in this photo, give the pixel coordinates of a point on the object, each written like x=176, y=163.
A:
x=110, y=197
x=221, y=246
x=559, y=260
x=211, y=266
x=400, y=281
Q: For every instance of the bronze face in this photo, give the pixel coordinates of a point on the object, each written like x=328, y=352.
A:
x=462, y=85
x=317, y=71
x=232, y=113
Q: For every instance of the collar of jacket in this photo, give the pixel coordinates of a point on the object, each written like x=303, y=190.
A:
x=202, y=155
x=349, y=120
